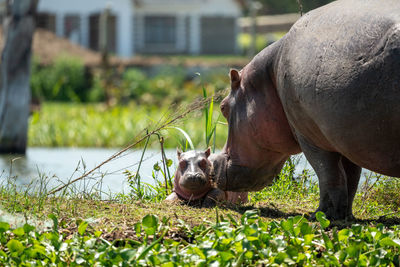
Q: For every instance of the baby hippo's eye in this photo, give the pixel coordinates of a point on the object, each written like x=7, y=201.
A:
x=203, y=163
x=182, y=165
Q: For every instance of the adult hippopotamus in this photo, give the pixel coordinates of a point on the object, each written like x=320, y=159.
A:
x=330, y=88
x=194, y=181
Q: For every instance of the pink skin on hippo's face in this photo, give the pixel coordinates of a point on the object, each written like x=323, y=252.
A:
x=193, y=176
x=259, y=138
x=193, y=180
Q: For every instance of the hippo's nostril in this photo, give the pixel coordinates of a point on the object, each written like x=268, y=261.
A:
x=198, y=176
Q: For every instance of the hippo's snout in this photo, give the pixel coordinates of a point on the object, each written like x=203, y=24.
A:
x=193, y=181
x=220, y=163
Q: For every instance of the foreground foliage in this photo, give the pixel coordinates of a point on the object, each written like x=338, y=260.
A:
x=126, y=232
x=129, y=232
x=226, y=242
x=132, y=233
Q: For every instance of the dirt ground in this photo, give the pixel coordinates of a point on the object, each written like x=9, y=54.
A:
x=47, y=47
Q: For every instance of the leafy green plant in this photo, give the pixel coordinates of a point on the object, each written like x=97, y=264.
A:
x=247, y=239
x=66, y=80
x=136, y=81
x=226, y=242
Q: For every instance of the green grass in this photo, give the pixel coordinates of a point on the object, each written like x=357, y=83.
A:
x=95, y=125
x=273, y=228
x=139, y=229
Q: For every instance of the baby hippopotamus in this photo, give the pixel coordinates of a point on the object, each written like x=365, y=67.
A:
x=194, y=181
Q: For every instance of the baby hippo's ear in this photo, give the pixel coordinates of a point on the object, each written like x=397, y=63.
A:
x=178, y=152
x=207, y=152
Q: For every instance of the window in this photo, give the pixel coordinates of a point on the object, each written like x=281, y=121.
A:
x=46, y=21
x=72, y=28
x=160, y=30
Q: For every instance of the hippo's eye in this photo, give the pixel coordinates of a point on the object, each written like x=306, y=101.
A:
x=224, y=110
x=182, y=165
x=225, y=107
x=203, y=163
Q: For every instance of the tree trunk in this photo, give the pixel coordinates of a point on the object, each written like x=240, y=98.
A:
x=15, y=94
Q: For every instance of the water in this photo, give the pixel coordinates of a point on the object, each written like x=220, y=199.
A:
x=59, y=164
x=63, y=164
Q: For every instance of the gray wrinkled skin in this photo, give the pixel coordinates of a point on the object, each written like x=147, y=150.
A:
x=329, y=88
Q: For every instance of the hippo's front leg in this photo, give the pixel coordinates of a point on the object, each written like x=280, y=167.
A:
x=237, y=197
x=217, y=195
x=213, y=197
x=338, y=179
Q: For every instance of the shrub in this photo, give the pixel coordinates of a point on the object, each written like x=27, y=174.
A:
x=136, y=82
x=97, y=92
x=167, y=86
x=65, y=80
x=262, y=41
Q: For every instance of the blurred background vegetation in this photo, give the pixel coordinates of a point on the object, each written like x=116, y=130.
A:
x=76, y=104
x=289, y=6
x=71, y=108
x=68, y=80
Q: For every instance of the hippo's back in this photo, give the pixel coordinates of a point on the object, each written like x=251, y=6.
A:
x=338, y=77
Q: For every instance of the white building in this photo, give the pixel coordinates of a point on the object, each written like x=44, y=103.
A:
x=147, y=26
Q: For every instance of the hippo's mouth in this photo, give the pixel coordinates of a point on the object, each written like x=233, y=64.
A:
x=227, y=175
x=191, y=193
x=230, y=176
x=195, y=187
x=219, y=172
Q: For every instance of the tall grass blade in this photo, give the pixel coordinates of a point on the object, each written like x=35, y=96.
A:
x=206, y=109
x=137, y=176
x=215, y=137
x=185, y=134
x=211, y=126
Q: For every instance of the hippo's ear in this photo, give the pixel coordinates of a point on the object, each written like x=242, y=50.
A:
x=208, y=152
x=235, y=78
x=178, y=152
